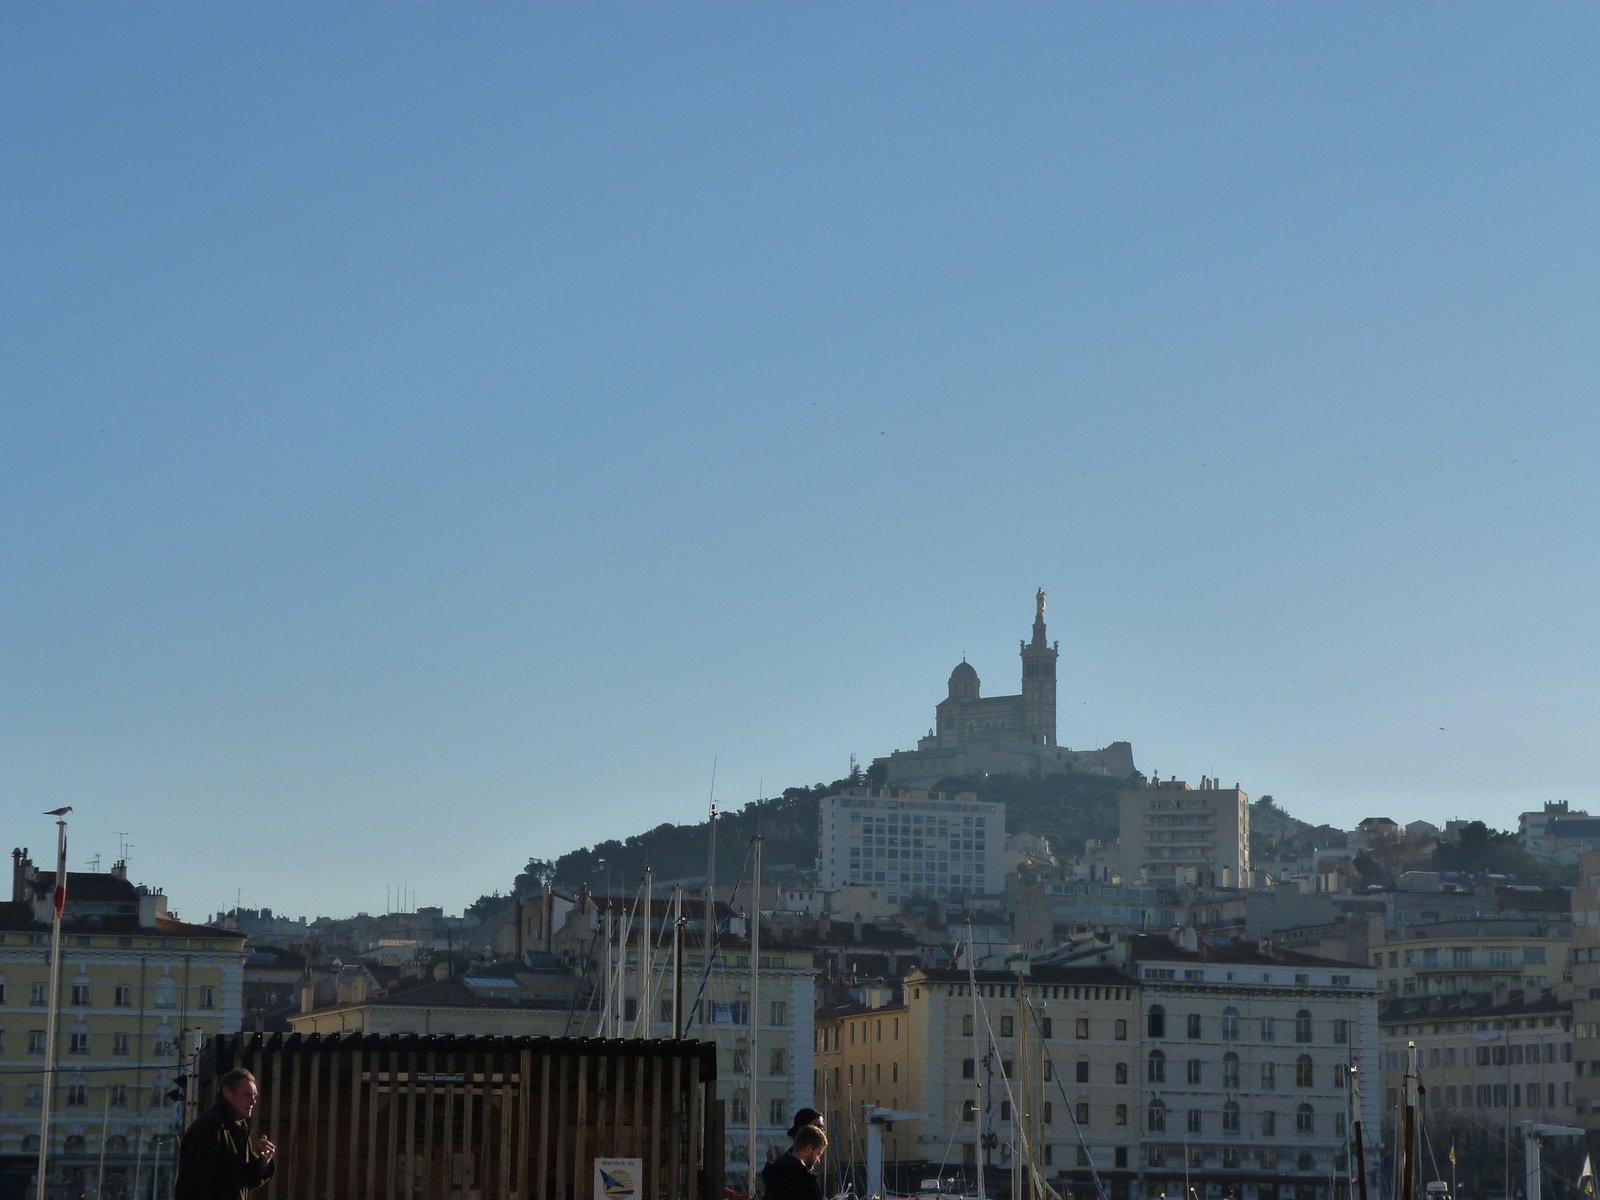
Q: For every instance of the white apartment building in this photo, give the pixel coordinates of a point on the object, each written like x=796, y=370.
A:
x=1246, y=1061
x=911, y=843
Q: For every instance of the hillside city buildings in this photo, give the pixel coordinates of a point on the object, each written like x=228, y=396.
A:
x=1175, y=1011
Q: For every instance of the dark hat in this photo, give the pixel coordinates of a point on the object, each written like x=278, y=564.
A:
x=805, y=1116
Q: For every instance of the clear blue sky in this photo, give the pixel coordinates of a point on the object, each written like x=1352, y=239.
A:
x=432, y=435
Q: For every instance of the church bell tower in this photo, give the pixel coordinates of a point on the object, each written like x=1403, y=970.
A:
x=1039, y=681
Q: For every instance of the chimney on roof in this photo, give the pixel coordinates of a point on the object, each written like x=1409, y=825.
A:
x=20, y=870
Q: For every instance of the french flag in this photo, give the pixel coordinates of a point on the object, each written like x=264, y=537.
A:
x=61, y=878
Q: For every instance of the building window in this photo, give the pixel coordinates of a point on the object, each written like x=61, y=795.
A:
x=1192, y=1074
x=968, y=1068
x=77, y=1095
x=123, y=996
x=39, y=995
x=80, y=995
x=1303, y=1120
x=1230, y=1071
x=1303, y=1071
x=78, y=1042
x=1194, y=1025
x=1005, y=1110
x=1230, y=1117
x=1157, y=1021
x=1269, y=1124
x=35, y=1041
x=1195, y=1125
x=1081, y=1028
x=1302, y=1025
x=1230, y=1024
x=119, y=1044
x=1269, y=1076
x=1157, y=1117
x=118, y=1095
x=1083, y=1070
x=779, y=1010
x=1082, y=1113
x=1048, y=1112
x=966, y=1025
x=775, y=1061
x=1121, y=1114
x=1121, y=1033
x=1157, y=1072
x=1121, y=1072
x=776, y=1109
x=1269, y=1030
x=1006, y=1026
x=166, y=993
x=1341, y=1031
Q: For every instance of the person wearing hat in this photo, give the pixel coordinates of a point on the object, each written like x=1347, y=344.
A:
x=805, y=1116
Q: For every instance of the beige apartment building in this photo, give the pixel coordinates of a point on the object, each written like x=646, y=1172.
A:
x=1474, y=956
x=1586, y=993
x=1047, y=1060
x=1485, y=1066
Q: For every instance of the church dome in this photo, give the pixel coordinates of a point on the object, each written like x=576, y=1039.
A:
x=964, y=682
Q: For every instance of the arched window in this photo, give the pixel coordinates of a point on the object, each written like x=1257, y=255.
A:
x=1122, y=1114
x=1303, y=1071
x=1302, y=1025
x=1157, y=1072
x=1230, y=1070
x=1158, y=1021
x=1230, y=1024
x=1158, y=1117
x=1230, y=1117
x=117, y=1143
x=1304, y=1122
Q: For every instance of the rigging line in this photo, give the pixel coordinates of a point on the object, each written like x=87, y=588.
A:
x=716, y=944
x=583, y=977
x=1072, y=1113
x=1495, y=1135
x=1019, y=1138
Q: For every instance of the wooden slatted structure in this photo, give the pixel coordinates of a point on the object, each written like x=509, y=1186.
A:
x=403, y=1117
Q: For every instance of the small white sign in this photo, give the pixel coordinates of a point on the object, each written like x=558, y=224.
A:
x=617, y=1178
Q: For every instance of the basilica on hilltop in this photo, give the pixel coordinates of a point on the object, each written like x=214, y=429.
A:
x=975, y=735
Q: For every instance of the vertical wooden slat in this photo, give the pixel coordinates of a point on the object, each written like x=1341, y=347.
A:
x=546, y=1109
x=676, y=1120
x=338, y=1062
x=429, y=1104
x=509, y=1116
x=357, y=1093
x=292, y=1061
x=563, y=1142
x=469, y=1104
x=375, y=1148
x=392, y=1157
x=637, y=1137
x=411, y=1127
x=518, y=1106
x=658, y=1159
x=312, y=1141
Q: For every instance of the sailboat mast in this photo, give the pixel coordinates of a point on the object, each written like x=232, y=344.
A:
x=755, y=978
x=1408, y=1128
x=641, y=1027
x=1359, y=1188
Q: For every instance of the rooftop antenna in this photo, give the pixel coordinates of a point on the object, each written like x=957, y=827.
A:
x=123, y=844
x=94, y=863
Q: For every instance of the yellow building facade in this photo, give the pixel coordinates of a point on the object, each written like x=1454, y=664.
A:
x=138, y=991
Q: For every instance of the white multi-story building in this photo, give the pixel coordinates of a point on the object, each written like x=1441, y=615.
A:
x=1246, y=1061
x=911, y=843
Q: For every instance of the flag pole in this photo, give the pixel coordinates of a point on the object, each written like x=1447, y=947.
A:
x=59, y=904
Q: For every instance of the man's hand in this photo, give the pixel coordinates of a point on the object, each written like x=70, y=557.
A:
x=265, y=1149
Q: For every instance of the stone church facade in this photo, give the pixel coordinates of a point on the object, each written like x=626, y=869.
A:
x=974, y=734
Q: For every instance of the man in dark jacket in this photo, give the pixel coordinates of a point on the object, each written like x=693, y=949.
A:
x=217, y=1160
x=794, y=1176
